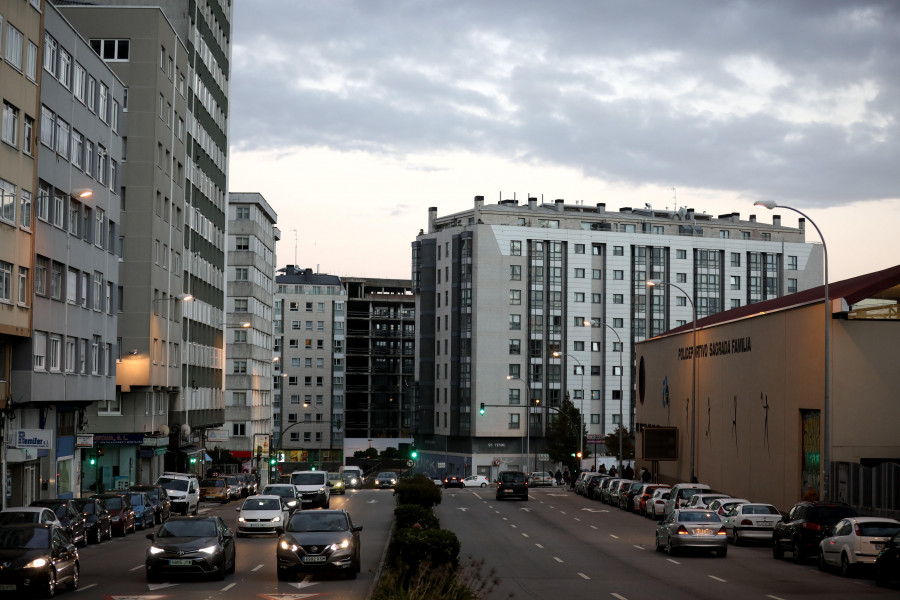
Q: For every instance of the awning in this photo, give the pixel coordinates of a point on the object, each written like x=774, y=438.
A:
x=189, y=450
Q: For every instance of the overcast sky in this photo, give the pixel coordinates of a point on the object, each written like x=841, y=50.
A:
x=353, y=117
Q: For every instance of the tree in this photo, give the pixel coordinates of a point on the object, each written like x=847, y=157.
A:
x=562, y=434
x=367, y=453
x=390, y=453
x=612, y=443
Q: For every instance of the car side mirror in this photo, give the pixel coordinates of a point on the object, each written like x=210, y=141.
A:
x=238, y=509
x=357, y=528
x=150, y=536
x=228, y=534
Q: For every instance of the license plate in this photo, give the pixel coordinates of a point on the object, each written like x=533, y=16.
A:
x=878, y=546
x=313, y=559
x=8, y=587
x=180, y=562
x=507, y=491
x=702, y=531
x=764, y=523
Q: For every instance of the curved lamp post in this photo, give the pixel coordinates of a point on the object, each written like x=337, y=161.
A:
x=598, y=323
x=826, y=406
x=580, y=431
x=656, y=282
x=527, y=421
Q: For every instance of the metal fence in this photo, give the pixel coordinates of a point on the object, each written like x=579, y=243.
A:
x=872, y=490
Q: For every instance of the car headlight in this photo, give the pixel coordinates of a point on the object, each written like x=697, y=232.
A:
x=208, y=550
x=339, y=484
x=292, y=503
x=37, y=563
x=155, y=550
x=354, y=481
x=393, y=482
x=321, y=490
x=376, y=482
x=286, y=546
x=276, y=519
x=242, y=520
x=344, y=544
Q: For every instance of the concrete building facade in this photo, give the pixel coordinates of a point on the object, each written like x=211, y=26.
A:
x=503, y=294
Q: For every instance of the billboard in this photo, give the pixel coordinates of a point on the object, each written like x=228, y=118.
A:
x=660, y=443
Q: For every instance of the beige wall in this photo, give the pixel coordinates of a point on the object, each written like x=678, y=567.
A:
x=736, y=452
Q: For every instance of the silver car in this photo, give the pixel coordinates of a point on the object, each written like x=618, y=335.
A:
x=751, y=521
x=687, y=528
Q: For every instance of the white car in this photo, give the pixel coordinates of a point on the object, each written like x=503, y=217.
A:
x=476, y=481
x=262, y=514
x=855, y=541
x=750, y=521
x=540, y=478
x=723, y=505
x=29, y=514
x=656, y=504
x=702, y=500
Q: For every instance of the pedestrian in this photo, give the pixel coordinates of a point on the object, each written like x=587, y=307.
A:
x=558, y=477
x=612, y=471
x=646, y=476
x=566, y=477
x=811, y=494
x=602, y=470
x=629, y=472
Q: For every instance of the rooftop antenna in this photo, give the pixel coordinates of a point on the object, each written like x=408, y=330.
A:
x=295, y=247
x=674, y=198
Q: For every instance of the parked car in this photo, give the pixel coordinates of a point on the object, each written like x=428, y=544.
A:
x=96, y=519
x=681, y=493
x=191, y=546
x=144, y=515
x=286, y=492
x=615, y=490
x=750, y=521
x=702, y=500
x=603, y=496
x=512, y=484
x=592, y=483
x=656, y=505
x=723, y=505
x=262, y=514
x=121, y=514
x=690, y=528
x=627, y=494
x=159, y=499
x=38, y=558
x=581, y=483
x=214, y=489
x=646, y=495
x=804, y=527
x=855, y=542
x=336, y=483
x=887, y=563
x=69, y=516
x=388, y=479
x=183, y=490
x=235, y=487
x=541, y=478
x=319, y=541
x=476, y=481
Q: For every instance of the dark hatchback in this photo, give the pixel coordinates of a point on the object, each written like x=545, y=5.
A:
x=37, y=559
x=319, y=541
x=159, y=499
x=887, y=563
x=805, y=526
x=191, y=546
x=121, y=513
x=453, y=481
x=512, y=484
x=96, y=519
x=69, y=515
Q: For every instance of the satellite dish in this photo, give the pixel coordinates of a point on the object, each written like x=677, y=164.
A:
x=164, y=430
x=681, y=212
x=185, y=430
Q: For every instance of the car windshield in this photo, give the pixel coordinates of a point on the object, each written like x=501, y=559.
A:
x=177, y=485
x=759, y=509
x=113, y=503
x=188, y=528
x=24, y=537
x=19, y=516
x=262, y=504
x=699, y=516
x=391, y=476
x=85, y=506
x=512, y=477
x=308, y=478
x=829, y=515
x=309, y=521
x=279, y=490
x=212, y=483
x=136, y=499
x=878, y=529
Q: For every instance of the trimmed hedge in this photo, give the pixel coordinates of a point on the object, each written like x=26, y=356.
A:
x=408, y=515
x=434, y=547
x=418, y=490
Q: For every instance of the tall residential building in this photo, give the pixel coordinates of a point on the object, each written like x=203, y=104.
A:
x=69, y=368
x=133, y=426
x=252, y=236
x=20, y=71
x=519, y=305
x=204, y=29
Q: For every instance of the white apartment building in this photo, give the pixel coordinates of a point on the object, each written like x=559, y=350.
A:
x=501, y=288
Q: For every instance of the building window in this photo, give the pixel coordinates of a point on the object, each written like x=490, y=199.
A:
x=10, y=126
x=515, y=297
x=515, y=247
x=681, y=254
x=735, y=303
x=515, y=347
x=792, y=286
x=242, y=213
x=766, y=236
x=618, y=251
x=735, y=259
x=514, y=371
x=55, y=353
x=242, y=243
x=618, y=275
x=14, y=41
x=515, y=322
x=680, y=277
x=617, y=323
x=579, y=273
x=735, y=282
x=513, y=420
x=515, y=273
x=618, y=299
x=579, y=248
x=579, y=296
x=724, y=234
x=514, y=396
x=792, y=263
x=239, y=366
x=56, y=281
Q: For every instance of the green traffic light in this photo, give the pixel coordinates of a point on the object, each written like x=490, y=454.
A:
x=482, y=409
x=273, y=460
x=93, y=461
x=414, y=454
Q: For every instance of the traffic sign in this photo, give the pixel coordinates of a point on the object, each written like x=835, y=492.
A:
x=410, y=463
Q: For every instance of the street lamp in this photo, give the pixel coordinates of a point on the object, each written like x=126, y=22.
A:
x=826, y=407
x=656, y=282
x=590, y=323
x=580, y=431
x=527, y=457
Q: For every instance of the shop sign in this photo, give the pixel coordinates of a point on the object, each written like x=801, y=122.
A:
x=42, y=439
x=84, y=440
x=118, y=439
x=216, y=435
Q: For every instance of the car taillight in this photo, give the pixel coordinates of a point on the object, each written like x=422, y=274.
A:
x=721, y=531
x=856, y=529
x=746, y=522
x=682, y=530
x=813, y=526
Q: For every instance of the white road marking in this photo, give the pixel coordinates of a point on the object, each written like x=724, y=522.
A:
x=577, y=519
x=593, y=527
x=87, y=587
x=674, y=562
x=461, y=508
x=615, y=537
x=615, y=595
x=539, y=546
x=562, y=512
x=513, y=526
x=717, y=579
x=229, y=586
x=257, y=568
x=639, y=547
x=558, y=559
x=524, y=534
x=158, y=586
x=305, y=582
x=136, y=568
x=526, y=509
x=505, y=519
x=774, y=597
x=583, y=576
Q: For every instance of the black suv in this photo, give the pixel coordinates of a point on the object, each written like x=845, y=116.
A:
x=512, y=484
x=805, y=526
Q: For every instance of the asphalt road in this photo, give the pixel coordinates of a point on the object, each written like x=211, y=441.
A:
x=559, y=545
x=114, y=570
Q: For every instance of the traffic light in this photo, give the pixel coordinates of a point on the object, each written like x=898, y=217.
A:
x=193, y=460
x=272, y=460
x=92, y=459
x=578, y=455
x=482, y=409
x=413, y=453
x=100, y=451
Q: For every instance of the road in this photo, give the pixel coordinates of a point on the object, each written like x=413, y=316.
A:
x=114, y=570
x=559, y=545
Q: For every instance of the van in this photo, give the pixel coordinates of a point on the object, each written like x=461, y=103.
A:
x=352, y=472
x=512, y=484
x=312, y=487
x=681, y=493
x=183, y=490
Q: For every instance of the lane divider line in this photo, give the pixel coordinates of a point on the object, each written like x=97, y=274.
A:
x=674, y=562
x=615, y=537
x=524, y=534
x=615, y=595
x=583, y=576
x=558, y=559
x=229, y=586
x=717, y=579
x=593, y=527
x=539, y=546
x=257, y=568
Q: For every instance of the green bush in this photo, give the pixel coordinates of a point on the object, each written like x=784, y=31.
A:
x=436, y=547
x=407, y=515
x=418, y=490
x=467, y=582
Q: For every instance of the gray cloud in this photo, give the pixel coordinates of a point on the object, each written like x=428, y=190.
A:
x=770, y=98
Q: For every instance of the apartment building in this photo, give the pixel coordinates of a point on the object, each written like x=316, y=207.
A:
x=252, y=236
x=519, y=305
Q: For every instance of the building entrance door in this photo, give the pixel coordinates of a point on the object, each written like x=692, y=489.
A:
x=810, y=460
